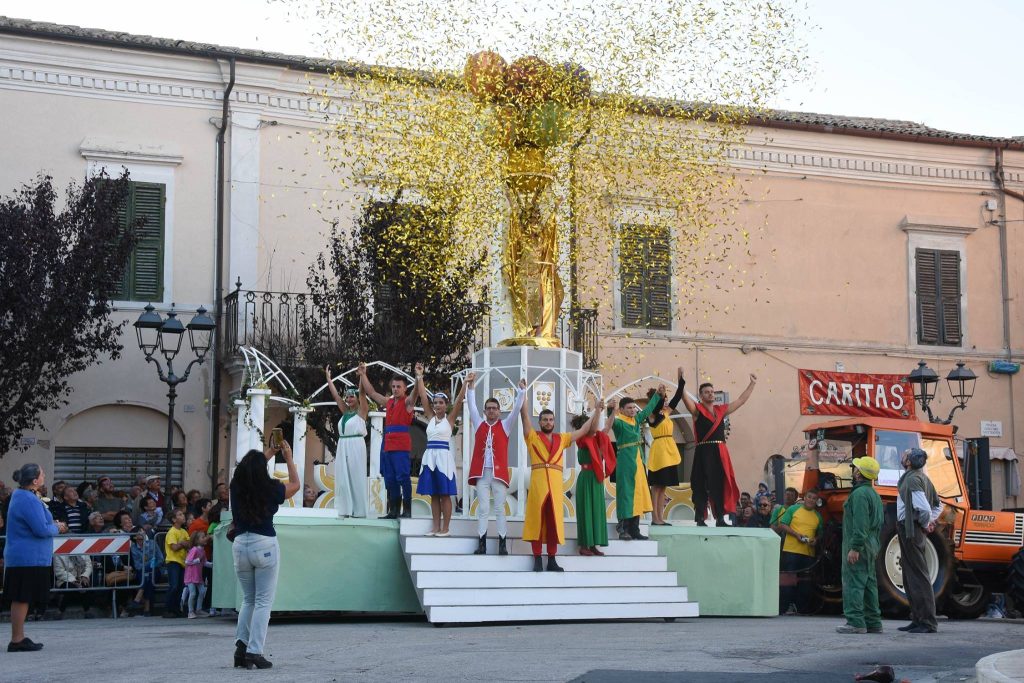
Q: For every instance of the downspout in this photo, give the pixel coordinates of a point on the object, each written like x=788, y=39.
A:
x=1005, y=277
x=218, y=288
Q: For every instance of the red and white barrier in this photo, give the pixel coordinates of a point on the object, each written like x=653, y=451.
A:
x=100, y=544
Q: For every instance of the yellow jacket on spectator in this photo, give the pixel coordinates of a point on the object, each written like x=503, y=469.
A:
x=175, y=536
x=806, y=523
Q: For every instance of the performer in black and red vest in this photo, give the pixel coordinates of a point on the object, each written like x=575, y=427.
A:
x=394, y=457
x=712, y=478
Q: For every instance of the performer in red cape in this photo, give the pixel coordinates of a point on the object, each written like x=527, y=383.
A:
x=712, y=477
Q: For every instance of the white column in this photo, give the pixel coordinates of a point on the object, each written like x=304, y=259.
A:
x=376, y=495
x=299, y=447
x=522, y=457
x=254, y=421
x=241, y=431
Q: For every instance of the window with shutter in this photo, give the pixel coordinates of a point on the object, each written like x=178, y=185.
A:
x=144, y=277
x=645, y=277
x=938, y=297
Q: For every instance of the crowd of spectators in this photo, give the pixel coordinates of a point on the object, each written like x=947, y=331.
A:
x=163, y=526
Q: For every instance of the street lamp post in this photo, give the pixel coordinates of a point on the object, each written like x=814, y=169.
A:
x=960, y=381
x=156, y=333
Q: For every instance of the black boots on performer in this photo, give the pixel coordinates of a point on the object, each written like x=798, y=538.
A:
x=407, y=508
x=481, y=546
x=538, y=564
x=634, y=529
x=502, y=548
x=552, y=565
x=623, y=531
x=392, y=513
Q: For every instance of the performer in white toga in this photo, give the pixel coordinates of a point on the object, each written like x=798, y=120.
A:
x=350, y=465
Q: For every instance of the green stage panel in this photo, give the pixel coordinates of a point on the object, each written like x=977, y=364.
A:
x=731, y=572
x=327, y=564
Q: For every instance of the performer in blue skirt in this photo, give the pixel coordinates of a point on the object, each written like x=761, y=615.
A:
x=437, y=472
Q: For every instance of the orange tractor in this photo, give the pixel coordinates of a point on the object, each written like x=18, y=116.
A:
x=971, y=552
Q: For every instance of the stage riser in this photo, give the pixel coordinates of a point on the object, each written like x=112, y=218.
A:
x=524, y=563
x=550, y=596
x=563, y=612
x=467, y=527
x=466, y=546
x=428, y=580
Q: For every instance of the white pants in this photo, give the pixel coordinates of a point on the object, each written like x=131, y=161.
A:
x=350, y=479
x=486, y=488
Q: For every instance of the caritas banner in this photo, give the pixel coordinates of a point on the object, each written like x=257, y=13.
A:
x=855, y=394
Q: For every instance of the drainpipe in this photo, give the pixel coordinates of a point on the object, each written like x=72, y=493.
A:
x=218, y=288
x=1005, y=277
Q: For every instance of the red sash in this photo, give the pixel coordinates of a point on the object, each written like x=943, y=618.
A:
x=730, y=490
x=602, y=454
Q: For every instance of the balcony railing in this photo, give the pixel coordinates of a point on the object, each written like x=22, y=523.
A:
x=272, y=322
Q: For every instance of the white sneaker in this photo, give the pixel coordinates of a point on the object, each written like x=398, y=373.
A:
x=191, y=615
x=442, y=534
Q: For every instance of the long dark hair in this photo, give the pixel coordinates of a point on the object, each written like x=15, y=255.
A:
x=253, y=488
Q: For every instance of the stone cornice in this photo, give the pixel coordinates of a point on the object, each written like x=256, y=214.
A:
x=937, y=224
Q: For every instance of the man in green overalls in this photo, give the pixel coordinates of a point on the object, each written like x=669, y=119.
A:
x=862, y=524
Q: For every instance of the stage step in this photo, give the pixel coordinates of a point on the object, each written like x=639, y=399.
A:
x=418, y=526
x=632, y=581
x=461, y=545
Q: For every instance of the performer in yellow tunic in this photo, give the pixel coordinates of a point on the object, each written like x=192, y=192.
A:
x=543, y=521
x=664, y=459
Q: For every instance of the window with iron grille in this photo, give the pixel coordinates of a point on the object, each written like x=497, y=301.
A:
x=938, y=297
x=645, y=277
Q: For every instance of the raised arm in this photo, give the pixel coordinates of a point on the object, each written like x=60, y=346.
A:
x=334, y=390
x=364, y=383
x=653, y=404
x=420, y=390
x=516, y=407
x=453, y=414
x=609, y=427
x=474, y=412
x=524, y=413
x=691, y=407
x=589, y=425
x=735, y=405
x=364, y=405
x=676, y=397
x=410, y=396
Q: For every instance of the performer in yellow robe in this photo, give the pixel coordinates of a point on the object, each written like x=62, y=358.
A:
x=546, y=448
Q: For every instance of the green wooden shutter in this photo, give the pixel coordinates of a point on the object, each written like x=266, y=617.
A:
x=927, y=296
x=148, y=259
x=631, y=277
x=645, y=277
x=659, y=279
x=938, y=297
x=144, y=274
x=949, y=297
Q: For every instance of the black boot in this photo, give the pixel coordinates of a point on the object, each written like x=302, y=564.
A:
x=552, y=565
x=256, y=662
x=392, y=512
x=634, y=529
x=538, y=565
x=502, y=548
x=622, y=531
x=239, y=654
x=407, y=508
x=481, y=546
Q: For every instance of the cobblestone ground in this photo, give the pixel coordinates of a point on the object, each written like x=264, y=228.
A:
x=712, y=650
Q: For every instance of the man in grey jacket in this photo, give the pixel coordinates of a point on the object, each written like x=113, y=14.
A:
x=917, y=508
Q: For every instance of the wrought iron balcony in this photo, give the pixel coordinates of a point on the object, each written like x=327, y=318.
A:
x=273, y=322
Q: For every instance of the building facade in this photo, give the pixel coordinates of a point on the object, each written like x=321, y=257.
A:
x=878, y=244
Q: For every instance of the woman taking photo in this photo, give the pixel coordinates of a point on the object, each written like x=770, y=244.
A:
x=255, y=497
x=28, y=554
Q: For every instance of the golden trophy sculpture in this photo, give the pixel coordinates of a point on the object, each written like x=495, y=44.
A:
x=530, y=104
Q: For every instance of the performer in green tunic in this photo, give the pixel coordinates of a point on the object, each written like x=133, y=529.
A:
x=632, y=495
x=596, y=457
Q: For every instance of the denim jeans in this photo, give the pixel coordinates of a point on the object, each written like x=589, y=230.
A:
x=256, y=563
x=175, y=584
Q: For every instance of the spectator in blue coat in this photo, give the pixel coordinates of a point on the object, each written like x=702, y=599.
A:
x=28, y=554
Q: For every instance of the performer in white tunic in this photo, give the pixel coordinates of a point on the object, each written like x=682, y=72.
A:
x=350, y=456
x=437, y=471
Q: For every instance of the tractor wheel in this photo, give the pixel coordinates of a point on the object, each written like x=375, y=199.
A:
x=891, y=596
x=1015, y=581
x=967, y=601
